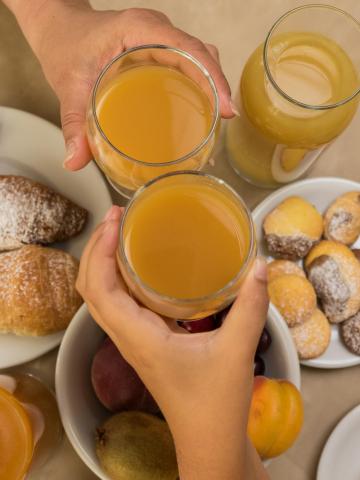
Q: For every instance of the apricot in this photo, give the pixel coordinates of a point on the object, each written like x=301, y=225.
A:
x=276, y=416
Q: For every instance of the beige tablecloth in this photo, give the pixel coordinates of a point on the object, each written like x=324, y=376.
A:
x=236, y=27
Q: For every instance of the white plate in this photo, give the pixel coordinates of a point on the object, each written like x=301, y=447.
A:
x=33, y=147
x=320, y=192
x=340, y=458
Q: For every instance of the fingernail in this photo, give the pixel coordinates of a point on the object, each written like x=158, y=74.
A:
x=111, y=214
x=234, y=108
x=70, y=152
x=260, y=269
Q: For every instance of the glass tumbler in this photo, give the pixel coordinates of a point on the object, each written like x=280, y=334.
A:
x=154, y=109
x=186, y=242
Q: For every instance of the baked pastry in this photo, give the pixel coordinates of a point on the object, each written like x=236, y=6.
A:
x=283, y=267
x=37, y=290
x=334, y=271
x=342, y=219
x=312, y=337
x=292, y=228
x=350, y=333
x=33, y=213
x=356, y=252
x=294, y=297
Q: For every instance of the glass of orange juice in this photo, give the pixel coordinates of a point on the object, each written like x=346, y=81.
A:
x=154, y=110
x=298, y=92
x=186, y=241
x=16, y=438
x=30, y=426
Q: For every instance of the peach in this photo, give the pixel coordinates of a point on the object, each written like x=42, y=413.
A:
x=276, y=416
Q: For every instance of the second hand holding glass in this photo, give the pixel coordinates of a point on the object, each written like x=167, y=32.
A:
x=186, y=242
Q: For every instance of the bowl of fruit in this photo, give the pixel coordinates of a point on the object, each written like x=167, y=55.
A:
x=115, y=425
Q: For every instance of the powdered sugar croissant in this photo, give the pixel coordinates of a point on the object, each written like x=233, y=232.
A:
x=33, y=213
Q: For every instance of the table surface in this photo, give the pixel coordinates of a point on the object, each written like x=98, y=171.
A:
x=236, y=27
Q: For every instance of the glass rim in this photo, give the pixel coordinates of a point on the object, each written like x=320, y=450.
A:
x=188, y=301
x=205, y=73
x=268, y=70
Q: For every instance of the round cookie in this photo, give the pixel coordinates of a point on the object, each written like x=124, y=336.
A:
x=312, y=337
x=294, y=297
x=283, y=267
x=342, y=219
x=350, y=333
x=334, y=272
x=292, y=228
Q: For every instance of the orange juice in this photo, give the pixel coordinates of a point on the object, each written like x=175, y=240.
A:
x=154, y=114
x=275, y=141
x=154, y=110
x=186, y=238
x=16, y=439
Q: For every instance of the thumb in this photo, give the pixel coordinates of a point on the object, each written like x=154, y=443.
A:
x=73, y=118
x=246, y=319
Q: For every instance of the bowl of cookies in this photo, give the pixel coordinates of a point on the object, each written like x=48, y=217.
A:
x=309, y=231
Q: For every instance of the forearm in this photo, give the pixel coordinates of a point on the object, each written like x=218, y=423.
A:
x=35, y=17
x=211, y=441
x=210, y=457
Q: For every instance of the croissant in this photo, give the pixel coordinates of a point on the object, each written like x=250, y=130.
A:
x=33, y=213
x=37, y=290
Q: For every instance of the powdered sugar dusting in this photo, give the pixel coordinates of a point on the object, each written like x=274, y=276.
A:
x=32, y=213
x=350, y=332
x=336, y=285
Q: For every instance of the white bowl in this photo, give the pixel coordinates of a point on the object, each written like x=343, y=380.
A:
x=320, y=192
x=80, y=410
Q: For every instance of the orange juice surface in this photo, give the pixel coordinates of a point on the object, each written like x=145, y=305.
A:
x=154, y=113
x=16, y=440
x=186, y=240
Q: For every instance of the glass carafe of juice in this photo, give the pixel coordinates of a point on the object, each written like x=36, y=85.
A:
x=298, y=92
x=154, y=110
x=186, y=242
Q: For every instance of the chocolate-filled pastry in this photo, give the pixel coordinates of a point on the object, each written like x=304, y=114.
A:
x=342, y=219
x=334, y=271
x=33, y=213
x=292, y=228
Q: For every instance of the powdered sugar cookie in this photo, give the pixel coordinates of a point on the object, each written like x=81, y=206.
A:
x=283, y=267
x=342, y=219
x=312, y=337
x=292, y=228
x=294, y=297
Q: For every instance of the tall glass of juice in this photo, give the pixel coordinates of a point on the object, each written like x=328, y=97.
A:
x=154, y=110
x=186, y=242
x=298, y=92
